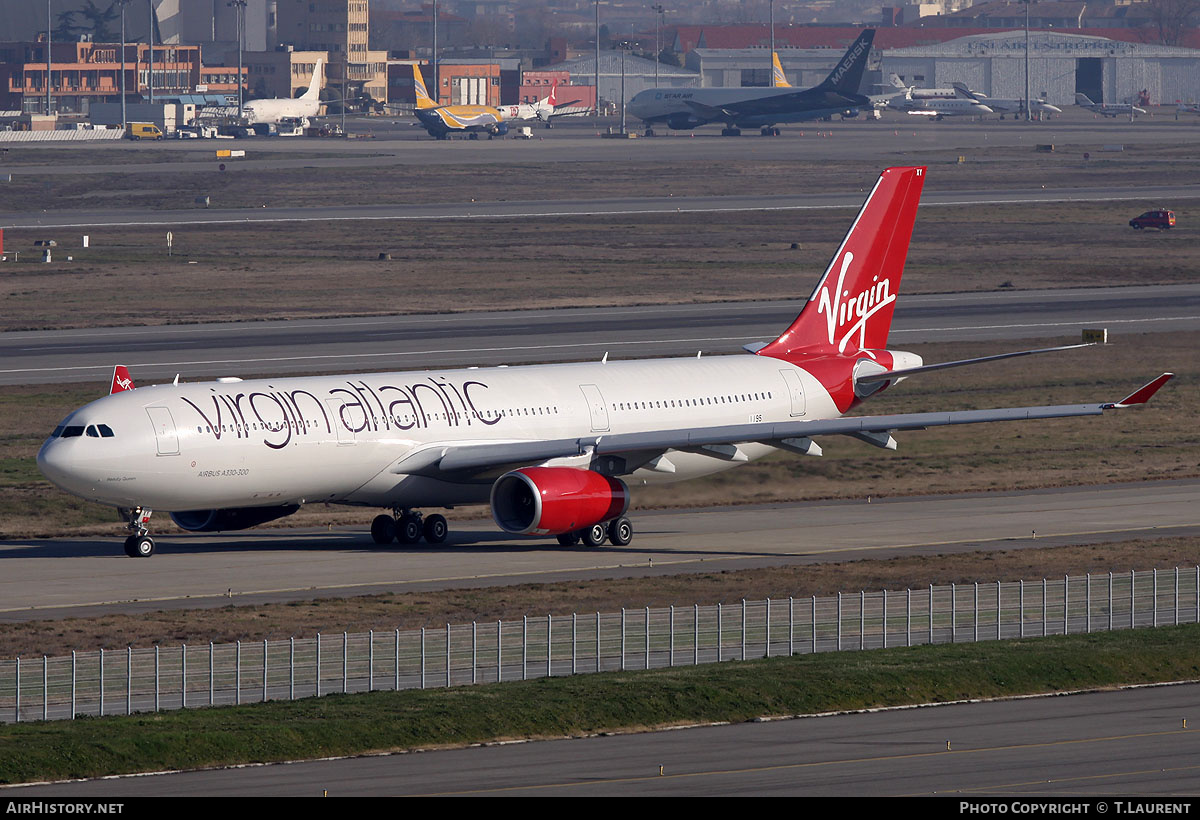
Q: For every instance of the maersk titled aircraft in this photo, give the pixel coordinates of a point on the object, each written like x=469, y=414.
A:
x=442, y=120
x=738, y=108
x=555, y=449
x=306, y=106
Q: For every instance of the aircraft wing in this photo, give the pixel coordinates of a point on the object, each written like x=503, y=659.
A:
x=464, y=460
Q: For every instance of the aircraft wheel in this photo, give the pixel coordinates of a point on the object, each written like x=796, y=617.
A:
x=473, y=136
x=435, y=529
x=620, y=532
x=139, y=546
x=408, y=530
x=568, y=539
x=383, y=529
x=594, y=535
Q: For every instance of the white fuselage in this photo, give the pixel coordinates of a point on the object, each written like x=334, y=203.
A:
x=259, y=111
x=939, y=107
x=343, y=439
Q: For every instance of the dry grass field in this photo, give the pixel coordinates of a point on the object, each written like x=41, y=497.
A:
x=293, y=270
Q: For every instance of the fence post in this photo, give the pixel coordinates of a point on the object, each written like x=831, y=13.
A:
x=549, y=644
x=292, y=668
x=422, y=657
x=237, y=680
x=647, y=637
x=1154, y=608
x=975, y=617
x=862, y=619
x=908, y=617
x=720, y=618
x=1110, y=601
x=1176, y=596
x=183, y=676
x=345, y=663
x=743, y=629
x=574, y=639
x=46, y=687
x=1021, y=607
x=264, y=700
x=447, y=656
x=695, y=634
x=101, y=680
x=953, y=613
x=18, y=704
x=622, y=639
x=671, y=640
x=474, y=652
x=524, y=647
x=1132, y=599
x=768, y=630
x=156, y=673
x=791, y=626
x=931, y=614
x=370, y=663
x=597, y=641
x=318, y=664
x=839, y=623
x=814, y=624
x=72, y=684
x=500, y=650
x=883, y=629
x=999, y=610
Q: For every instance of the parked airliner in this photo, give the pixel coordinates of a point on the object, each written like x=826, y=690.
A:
x=738, y=108
x=306, y=106
x=555, y=449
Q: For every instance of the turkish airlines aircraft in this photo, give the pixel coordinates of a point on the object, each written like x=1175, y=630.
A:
x=554, y=448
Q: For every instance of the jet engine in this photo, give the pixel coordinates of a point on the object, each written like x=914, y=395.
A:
x=239, y=518
x=556, y=500
x=682, y=122
x=500, y=129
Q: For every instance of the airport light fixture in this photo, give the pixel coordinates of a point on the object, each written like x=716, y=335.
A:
x=658, y=17
x=1028, y=104
x=239, y=7
x=49, y=40
x=596, y=107
x=124, y=118
x=771, y=57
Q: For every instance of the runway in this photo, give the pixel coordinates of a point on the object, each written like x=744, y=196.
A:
x=409, y=342
x=1074, y=748
x=540, y=209
x=75, y=577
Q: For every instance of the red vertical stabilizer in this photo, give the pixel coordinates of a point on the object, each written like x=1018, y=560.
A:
x=121, y=380
x=851, y=308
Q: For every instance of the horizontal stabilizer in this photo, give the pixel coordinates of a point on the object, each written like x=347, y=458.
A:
x=890, y=375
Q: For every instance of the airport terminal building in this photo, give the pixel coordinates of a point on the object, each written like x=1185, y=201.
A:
x=1060, y=64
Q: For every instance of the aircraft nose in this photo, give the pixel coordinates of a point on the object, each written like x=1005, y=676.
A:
x=56, y=464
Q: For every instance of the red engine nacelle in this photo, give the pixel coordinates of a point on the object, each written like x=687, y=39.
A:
x=555, y=500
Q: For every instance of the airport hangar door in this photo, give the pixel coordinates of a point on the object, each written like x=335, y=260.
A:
x=1089, y=78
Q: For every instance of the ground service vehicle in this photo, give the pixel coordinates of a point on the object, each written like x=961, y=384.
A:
x=143, y=131
x=1161, y=219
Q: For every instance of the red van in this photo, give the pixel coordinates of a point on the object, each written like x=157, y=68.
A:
x=1163, y=220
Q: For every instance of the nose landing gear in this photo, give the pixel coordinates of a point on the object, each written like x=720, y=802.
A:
x=139, y=544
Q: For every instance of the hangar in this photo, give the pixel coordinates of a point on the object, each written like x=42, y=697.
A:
x=1060, y=64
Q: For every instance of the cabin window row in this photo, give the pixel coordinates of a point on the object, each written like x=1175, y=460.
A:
x=706, y=401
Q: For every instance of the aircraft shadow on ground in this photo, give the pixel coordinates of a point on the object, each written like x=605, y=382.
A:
x=463, y=544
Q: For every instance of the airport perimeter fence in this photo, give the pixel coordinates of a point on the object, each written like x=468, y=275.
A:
x=149, y=680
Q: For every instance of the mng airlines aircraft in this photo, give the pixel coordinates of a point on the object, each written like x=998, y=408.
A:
x=555, y=449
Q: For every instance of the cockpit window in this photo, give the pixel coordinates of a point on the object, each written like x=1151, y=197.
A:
x=72, y=430
x=57, y=431
x=105, y=430
x=92, y=431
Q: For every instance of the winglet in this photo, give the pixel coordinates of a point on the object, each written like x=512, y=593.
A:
x=121, y=380
x=1142, y=394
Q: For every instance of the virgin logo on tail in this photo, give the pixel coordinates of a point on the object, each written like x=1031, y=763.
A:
x=121, y=380
x=845, y=317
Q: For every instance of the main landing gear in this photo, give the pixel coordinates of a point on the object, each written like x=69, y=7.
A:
x=618, y=532
x=139, y=544
x=408, y=526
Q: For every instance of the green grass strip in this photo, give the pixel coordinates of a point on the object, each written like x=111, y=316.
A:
x=355, y=724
